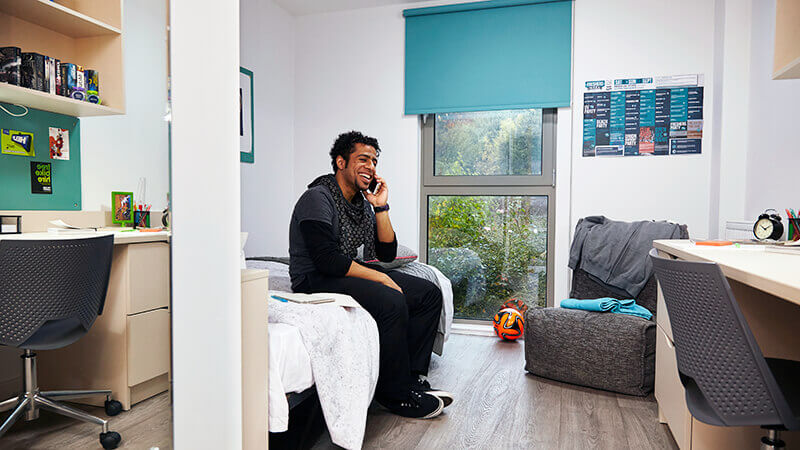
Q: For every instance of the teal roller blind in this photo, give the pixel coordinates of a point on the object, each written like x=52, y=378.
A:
x=491, y=55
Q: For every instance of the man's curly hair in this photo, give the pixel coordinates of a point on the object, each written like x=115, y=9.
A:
x=345, y=144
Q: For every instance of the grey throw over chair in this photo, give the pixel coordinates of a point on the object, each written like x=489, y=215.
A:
x=728, y=381
x=51, y=292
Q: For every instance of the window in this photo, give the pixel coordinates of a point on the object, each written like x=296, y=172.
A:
x=488, y=143
x=487, y=200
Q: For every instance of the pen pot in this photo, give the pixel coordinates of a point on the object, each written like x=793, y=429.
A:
x=794, y=229
x=141, y=219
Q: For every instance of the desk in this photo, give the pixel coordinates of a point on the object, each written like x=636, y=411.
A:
x=128, y=348
x=767, y=289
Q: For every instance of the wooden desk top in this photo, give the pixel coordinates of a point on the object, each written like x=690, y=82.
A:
x=774, y=273
x=120, y=237
x=254, y=274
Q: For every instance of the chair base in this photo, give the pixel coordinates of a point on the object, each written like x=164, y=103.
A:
x=773, y=440
x=28, y=403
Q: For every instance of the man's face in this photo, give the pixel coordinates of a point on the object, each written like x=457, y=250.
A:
x=360, y=168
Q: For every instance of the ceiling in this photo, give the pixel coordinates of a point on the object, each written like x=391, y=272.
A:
x=305, y=7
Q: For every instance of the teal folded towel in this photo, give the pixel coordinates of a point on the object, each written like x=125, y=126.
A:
x=608, y=304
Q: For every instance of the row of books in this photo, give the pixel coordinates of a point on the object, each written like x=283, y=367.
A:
x=44, y=73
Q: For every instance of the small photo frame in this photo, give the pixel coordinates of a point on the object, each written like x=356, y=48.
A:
x=247, y=149
x=10, y=224
x=122, y=208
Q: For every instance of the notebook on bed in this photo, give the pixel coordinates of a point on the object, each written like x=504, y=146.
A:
x=314, y=299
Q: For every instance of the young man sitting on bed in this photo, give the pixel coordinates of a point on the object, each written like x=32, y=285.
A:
x=335, y=217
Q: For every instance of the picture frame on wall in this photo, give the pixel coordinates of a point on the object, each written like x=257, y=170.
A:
x=246, y=117
x=122, y=208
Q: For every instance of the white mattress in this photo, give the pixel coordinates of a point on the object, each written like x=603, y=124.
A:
x=289, y=371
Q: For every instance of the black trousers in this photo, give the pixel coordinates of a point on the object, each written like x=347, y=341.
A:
x=406, y=322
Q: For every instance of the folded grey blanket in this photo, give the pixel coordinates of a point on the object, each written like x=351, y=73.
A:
x=616, y=252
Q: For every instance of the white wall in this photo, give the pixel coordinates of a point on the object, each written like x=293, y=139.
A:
x=774, y=155
x=650, y=38
x=267, y=49
x=350, y=75
x=732, y=129
x=206, y=287
x=117, y=150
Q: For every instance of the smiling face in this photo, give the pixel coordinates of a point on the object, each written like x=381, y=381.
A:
x=358, y=172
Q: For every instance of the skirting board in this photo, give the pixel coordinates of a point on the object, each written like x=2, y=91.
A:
x=472, y=329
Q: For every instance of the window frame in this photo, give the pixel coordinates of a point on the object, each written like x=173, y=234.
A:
x=492, y=185
x=548, y=164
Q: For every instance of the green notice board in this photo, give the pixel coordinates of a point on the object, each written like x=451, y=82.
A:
x=15, y=171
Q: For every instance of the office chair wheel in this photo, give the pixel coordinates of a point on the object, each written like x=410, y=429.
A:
x=110, y=439
x=113, y=407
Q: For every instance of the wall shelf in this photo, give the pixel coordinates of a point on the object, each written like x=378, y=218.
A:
x=57, y=17
x=786, y=64
x=789, y=72
x=53, y=103
x=83, y=32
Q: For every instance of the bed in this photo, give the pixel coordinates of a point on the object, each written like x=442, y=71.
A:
x=291, y=379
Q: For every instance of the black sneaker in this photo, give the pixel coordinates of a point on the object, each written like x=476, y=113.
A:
x=418, y=405
x=421, y=385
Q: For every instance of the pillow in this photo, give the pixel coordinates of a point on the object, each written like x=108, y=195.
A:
x=404, y=256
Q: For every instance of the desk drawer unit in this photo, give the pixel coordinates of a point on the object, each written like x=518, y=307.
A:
x=148, y=345
x=669, y=392
x=128, y=348
x=148, y=271
x=662, y=318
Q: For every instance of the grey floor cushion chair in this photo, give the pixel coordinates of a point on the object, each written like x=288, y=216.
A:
x=613, y=352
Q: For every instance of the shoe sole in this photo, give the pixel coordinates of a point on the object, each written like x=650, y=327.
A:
x=437, y=411
x=444, y=396
x=433, y=414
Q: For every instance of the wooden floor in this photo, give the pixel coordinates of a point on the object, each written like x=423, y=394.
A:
x=148, y=424
x=499, y=406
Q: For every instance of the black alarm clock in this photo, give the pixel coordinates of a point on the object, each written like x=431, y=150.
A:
x=768, y=226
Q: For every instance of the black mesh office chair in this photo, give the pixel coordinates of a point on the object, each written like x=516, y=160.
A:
x=728, y=381
x=51, y=292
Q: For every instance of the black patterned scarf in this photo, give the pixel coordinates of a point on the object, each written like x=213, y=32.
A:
x=356, y=223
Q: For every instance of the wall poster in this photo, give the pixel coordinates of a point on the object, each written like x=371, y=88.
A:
x=643, y=116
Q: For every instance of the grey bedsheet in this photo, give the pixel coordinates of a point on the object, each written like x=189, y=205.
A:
x=426, y=272
x=279, y=281
x=278, y=273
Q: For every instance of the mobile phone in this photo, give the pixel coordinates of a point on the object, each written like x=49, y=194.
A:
x=372, y=185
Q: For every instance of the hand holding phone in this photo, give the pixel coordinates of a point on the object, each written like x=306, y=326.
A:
x=378, y=191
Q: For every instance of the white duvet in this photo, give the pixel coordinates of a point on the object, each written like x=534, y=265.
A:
x=289, y=371
x=343, y=347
